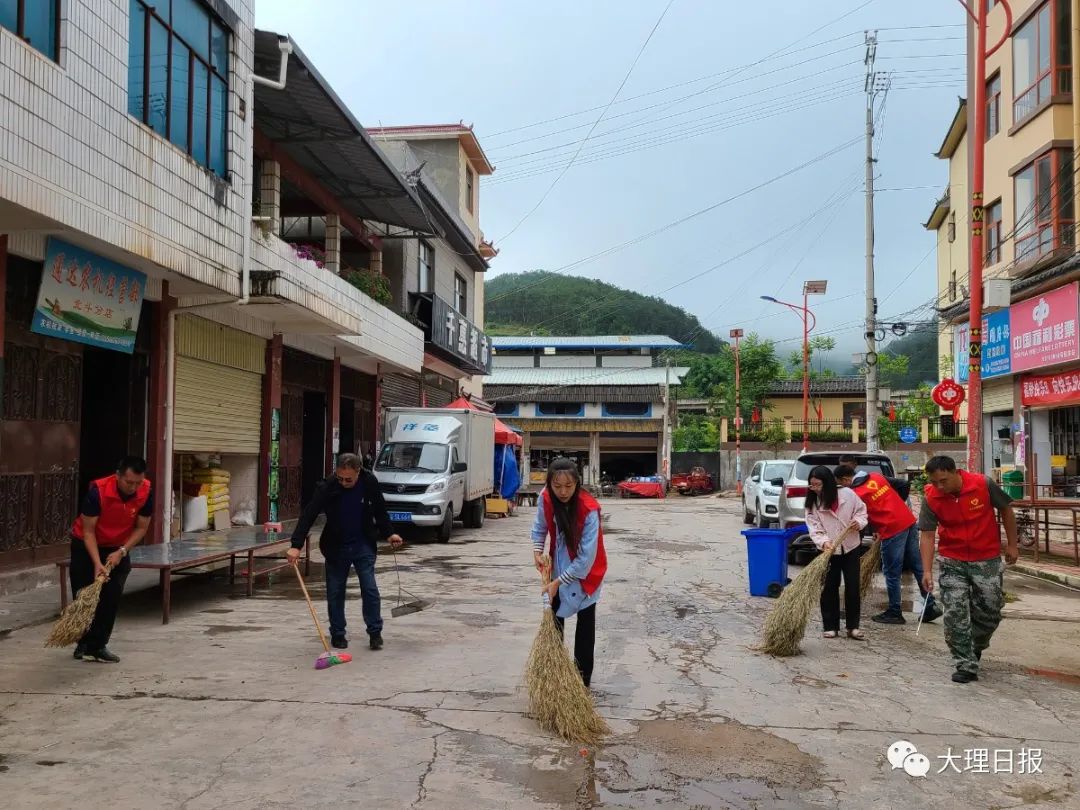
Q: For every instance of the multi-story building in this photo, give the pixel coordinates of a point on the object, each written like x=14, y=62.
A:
x=439, y=280
x=604, y=401
x=1031, y=350
x=192, y=227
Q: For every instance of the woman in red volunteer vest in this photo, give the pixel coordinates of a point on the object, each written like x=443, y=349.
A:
x=959, y=506
x=113, y=519
x=569, y=518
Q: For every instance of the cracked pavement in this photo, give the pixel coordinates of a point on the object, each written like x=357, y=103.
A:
x=222, y=708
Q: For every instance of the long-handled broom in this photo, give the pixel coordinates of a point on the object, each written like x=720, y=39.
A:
x=328, y=658
x=786, y=623
x=79, y=615
x=558, y=699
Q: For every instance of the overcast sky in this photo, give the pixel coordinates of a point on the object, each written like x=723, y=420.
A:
x=762, y=88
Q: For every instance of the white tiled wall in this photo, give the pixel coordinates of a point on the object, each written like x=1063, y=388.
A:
x=70, y=151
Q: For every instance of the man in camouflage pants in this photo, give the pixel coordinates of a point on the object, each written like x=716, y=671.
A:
x=959, y=507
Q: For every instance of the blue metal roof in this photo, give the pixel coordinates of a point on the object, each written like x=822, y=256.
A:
x=586, y=342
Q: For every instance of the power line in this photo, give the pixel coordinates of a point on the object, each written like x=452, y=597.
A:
x=599, y=118
x=682, y=220
x=618, y=151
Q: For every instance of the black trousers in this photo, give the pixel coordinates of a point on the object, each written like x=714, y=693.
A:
x=82, y=574
x=846, y=565
x=584, y=637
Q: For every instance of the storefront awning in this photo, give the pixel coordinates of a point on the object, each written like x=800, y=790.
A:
x=315, y=129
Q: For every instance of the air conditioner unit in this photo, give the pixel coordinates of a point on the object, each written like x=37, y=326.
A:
x=997, y=294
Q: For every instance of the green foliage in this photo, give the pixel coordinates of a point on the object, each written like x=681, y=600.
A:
x=774, y=435
x=818, y=354
x=696, y=433
x=893, y=369
x=910, y=414
x=374, y=285
x=540, y=302
x=712, y=376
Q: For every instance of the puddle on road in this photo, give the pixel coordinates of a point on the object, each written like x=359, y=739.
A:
x=667, y=763
x=222, y=629
x=216, y=610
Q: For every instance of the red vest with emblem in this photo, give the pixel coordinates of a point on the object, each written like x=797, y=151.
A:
x=967, y=527
x=586, y=504
x=118, y=517
x=888, y=513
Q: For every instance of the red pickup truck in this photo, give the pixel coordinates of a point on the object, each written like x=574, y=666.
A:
x=695, y=482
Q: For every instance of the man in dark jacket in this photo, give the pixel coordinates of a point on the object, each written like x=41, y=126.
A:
x=356, y=518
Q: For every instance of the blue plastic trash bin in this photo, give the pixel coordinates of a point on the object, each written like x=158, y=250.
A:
x=767, y=558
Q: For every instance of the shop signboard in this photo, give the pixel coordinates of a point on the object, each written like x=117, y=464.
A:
x=1040, y=390
x=455, y=334
x=996, y=347
x=88, y=299
x=1043, y=329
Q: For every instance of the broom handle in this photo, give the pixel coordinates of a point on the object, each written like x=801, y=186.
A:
x=311, y=607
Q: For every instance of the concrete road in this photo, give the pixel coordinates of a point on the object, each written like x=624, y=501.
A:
x=222, y=708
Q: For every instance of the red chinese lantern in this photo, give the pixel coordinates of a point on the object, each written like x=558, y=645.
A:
x=892, y=412
x=948, y=395
x=755, y=416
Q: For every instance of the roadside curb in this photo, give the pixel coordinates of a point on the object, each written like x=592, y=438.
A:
x=1068, y=580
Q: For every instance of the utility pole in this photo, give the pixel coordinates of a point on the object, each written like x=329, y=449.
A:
x=874, y=84
x=737, y=334
x=665, y=450
x=977, y=12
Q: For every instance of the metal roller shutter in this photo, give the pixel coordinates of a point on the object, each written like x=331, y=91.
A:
x=399, y=391
x=998, y=396
x=437, y=397
x=218, y=409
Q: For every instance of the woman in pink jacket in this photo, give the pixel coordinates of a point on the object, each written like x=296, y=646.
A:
x=835, y=517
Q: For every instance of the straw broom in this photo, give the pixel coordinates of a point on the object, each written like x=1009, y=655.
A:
x=79, y=615
x=558, y=699
x=785, y=625
x=868, y=566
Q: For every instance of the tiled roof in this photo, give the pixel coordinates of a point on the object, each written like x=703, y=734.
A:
x=826, y=385
x=574, y=393
x=586, y=342
x=584, y=376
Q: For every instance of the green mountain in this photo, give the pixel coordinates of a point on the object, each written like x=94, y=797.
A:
x=543, y=303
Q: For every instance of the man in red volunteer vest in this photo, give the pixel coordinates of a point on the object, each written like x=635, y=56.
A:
x=959, y=506
x=113, y=519
x=891, y=520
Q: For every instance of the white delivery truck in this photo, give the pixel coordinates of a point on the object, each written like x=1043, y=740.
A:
x=437, y=465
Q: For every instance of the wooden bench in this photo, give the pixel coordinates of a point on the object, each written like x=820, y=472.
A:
x=180, y=556
x=530, y=497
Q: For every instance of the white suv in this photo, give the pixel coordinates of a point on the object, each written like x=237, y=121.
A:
x=761, y=497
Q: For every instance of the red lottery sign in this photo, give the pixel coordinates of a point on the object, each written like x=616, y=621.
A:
x=948, y=394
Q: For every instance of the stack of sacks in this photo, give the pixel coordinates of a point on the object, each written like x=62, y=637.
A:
x=211, y=483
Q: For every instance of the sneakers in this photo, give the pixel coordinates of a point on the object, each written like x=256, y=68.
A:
x=339, y=642
x=964, y=677
x=80, y=651
x=888, y=617
x=103, y=655
x=376, y=641
x=932, y=613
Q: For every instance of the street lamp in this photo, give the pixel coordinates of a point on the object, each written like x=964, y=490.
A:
x=809, y=323
x=736, y=334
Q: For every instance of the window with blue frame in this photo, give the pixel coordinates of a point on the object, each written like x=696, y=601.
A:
x=626, y=409
x=506, y=409
x=36, y=22
x=178, y=76
x=560, y=409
